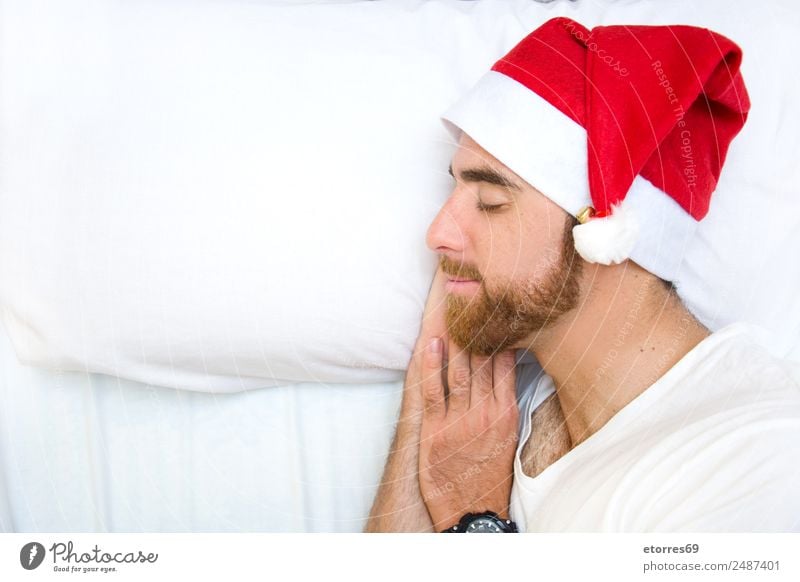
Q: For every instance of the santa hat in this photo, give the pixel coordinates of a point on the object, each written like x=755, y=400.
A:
x=624, y=127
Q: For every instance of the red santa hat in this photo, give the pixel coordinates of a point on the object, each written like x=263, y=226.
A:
x=624, y=127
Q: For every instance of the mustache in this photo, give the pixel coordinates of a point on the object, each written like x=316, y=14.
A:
x=459, y=270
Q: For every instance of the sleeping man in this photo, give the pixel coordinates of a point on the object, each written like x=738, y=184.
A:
x=585, y=160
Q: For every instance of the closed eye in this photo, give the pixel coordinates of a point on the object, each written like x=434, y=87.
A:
x=488, y=207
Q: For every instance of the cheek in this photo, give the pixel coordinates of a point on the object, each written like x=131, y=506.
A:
x=507, y=259
x=521, y=248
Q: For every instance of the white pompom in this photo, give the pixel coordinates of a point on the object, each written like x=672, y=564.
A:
x=608, y=240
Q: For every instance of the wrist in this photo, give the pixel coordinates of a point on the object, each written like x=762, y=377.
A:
x=407, y=434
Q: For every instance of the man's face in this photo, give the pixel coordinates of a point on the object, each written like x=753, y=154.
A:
x=508, y=253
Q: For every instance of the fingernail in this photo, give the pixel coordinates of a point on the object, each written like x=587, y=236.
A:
x=435, y=346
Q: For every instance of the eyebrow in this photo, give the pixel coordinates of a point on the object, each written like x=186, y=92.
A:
x=486, y=174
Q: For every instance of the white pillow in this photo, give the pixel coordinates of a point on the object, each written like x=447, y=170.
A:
x=221, y=196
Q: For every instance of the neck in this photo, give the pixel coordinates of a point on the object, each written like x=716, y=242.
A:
x=626, y=333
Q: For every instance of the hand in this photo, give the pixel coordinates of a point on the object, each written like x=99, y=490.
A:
x=468, y=440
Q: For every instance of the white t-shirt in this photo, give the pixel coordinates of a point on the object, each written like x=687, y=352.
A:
x=712, y=446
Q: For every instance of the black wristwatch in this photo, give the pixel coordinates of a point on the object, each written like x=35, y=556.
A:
x=486, y=522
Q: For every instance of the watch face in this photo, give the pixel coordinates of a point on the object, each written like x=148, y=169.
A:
x=483, y=525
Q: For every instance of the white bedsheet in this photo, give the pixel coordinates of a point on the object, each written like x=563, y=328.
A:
x=87, y=452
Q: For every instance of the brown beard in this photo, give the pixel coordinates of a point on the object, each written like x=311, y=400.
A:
x=496, y=319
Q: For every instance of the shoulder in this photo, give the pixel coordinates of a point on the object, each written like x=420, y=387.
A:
x=736, y=367
x=725, y=441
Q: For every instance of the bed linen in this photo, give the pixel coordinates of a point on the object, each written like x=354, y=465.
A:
x=93, y=453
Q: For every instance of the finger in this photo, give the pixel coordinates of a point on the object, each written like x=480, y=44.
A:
x=413, y=380
x=482, y=371
x=445, y=360
x=433, y=317
x=505, y=376
x=458, y=380
x=432, y=388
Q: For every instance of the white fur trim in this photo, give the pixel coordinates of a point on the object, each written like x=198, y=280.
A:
x=547, y=149
x=608, y=240
x=532, y=138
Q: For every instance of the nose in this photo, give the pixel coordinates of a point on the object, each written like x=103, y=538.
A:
x=446, y=234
